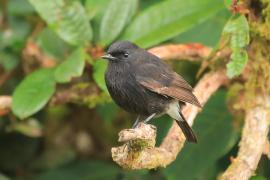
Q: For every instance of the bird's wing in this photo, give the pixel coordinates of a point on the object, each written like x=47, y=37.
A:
x=160, y=79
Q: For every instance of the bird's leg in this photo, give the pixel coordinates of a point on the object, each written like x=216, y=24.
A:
x=128, y=145
x=136, y=122
x=149, y=118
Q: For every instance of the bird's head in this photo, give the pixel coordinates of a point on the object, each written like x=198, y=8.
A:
x=120, y=51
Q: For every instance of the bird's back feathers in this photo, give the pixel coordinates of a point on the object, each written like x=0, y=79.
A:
x=157, y=77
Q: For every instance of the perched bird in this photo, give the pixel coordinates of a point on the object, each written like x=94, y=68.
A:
x=141, y=83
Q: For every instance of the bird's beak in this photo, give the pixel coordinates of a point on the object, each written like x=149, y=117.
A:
x=108, y=56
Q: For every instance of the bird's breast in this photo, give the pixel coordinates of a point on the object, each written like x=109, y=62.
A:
x=130, y=95
x=118, y=80
x=116, y=76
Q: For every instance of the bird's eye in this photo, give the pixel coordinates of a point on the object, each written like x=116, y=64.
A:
x=126, y=55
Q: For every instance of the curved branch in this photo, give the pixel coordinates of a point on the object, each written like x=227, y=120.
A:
x=252, y=144
x=191, y=51
x=149, y=156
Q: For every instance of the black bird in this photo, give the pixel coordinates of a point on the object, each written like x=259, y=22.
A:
x=141, y=83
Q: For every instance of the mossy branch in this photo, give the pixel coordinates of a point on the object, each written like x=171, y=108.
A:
x=253, y=140
x=148, y=156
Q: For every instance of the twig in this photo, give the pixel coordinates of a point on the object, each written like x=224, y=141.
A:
x=80, y=93
x=192, y=51
x=5, y=105
x=254, y=137
x=152, y=157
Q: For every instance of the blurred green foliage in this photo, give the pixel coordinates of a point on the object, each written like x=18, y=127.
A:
x=49, y=50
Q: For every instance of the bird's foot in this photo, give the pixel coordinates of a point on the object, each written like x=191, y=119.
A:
x=135, y=125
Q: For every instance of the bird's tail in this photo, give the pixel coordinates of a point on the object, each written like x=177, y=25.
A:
x=186, y=129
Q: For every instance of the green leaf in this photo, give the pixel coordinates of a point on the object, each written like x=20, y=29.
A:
x=238, y=62
x=237, y=32
x=52, y=44
x=205, y=33
x=72, y=67
x=33, y=93
x=168, y=19
x=67, y=18
x=117, y=15
x=8, y=60
x=95, y=8
x=228, y=3
x=99, y=72
x=146, y=4
x=20, y=7
x=94, y=170
x=216, y=137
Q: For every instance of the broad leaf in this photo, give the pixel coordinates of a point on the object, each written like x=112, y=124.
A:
x=205, y=33
x=95, y=8
x=8, y=61
x=51, y=44
x=168, y=19
x=216, y=137
x=228, y=3
x=20, y=8
x=237, y=32
x=99, y=72
x=72, y=67
x=117, y=15
x=237, y=29
x=95, y=11
x=238, y=62
x=33, y=93
x=67, y=18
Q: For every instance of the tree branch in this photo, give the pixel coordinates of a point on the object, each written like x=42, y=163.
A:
x=266, y=149
x=151, y=157
x=192, y=51
x=254, y=138
x=5, y=105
